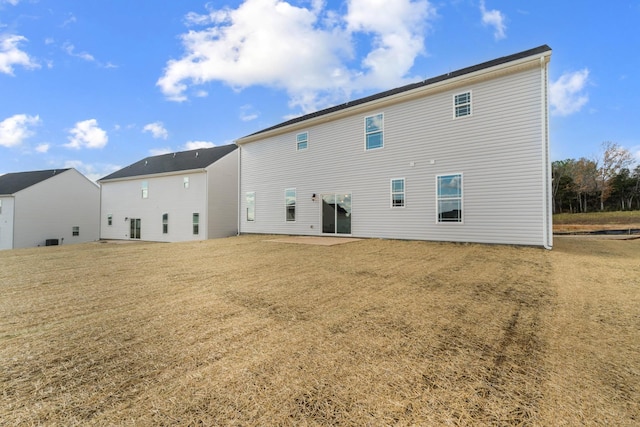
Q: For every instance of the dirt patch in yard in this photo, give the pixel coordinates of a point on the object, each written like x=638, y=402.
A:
x=242, y=331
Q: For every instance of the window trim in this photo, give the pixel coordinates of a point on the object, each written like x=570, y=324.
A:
x=440, y=198
x=252, y=206
x=468, y=103
x=195, y=220
x=305, y=141
x=403, y=192
x=145, y=189
x=381, y=131
x=286, y=205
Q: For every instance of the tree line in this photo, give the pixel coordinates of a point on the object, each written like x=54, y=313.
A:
x=606, y=183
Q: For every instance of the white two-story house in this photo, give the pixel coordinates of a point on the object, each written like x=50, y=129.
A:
x=460, y=157
x=188, y=195
x=48, y=207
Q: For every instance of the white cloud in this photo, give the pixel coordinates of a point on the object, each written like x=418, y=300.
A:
x=93, y=172
x=194, y=145
x=15, y=129
x=11, y=55
x=495, y=19
x=566, y=94
x=11, y=2
x=42, y=148
x=306, y=52
x=247, y=113
x=87, y=134
x=71, y=51
x=160, y=151
x=157, y=130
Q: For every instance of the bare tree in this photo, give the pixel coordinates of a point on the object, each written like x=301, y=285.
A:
x=614, y=159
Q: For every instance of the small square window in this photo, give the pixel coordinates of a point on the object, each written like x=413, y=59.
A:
x=302, y=141
x=462, y=104
x=109, y=220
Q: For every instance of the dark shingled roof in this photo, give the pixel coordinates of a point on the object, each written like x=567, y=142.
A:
x=427, y=82
x=11, y=183
x=173, y=162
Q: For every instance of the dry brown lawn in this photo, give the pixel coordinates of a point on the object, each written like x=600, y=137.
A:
x=245, y=331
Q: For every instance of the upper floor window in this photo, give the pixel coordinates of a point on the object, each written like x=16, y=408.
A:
x=449, y=198
x=373, y=127
x=462, y=104
x=109, y=220
x=302, y=141
x=145, y=189
x=165, y=223
x=251, y=206
x=397, y=193
x=185, y=182
x=290, y=204
x=0, y=205
x=75, y=230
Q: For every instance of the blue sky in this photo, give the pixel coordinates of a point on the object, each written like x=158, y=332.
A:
x=98, y=85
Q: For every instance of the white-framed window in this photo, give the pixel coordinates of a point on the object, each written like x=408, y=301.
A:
x=449, y=197
x=75, y=230
x=145, y=189
x=462, y=104
x=290, y=204
x=397, y=193
x=109, y=220
x=251, y=206
x=185, y=182
x=196, y=223
x=165, y=223
x=302, y=141
x=373, y=130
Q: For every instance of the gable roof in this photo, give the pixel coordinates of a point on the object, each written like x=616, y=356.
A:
x=173, y=162
x=406, y=88
x=11, y=183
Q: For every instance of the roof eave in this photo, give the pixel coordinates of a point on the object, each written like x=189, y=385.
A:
x=446, y=84
x=152, y=175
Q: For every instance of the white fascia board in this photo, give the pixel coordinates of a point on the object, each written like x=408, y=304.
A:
x=152, y=175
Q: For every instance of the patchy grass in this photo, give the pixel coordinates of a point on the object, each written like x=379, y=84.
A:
x=243, y=331
x=592, y=221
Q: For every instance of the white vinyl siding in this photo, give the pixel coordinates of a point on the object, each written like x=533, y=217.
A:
x=500, y=152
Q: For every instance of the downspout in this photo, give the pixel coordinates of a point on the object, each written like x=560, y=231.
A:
x=546, y=193
x=239, y=187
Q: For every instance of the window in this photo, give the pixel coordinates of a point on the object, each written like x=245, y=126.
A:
x=251, y=206
x=397, y=193
x=109, y=220
x=373, y=131
x=145, y=189
x=165, y=224
x=0, y=206
x=462, y=104
x=449, y=198
x=196, y=223
x=302, y=141
x=290, y=204
x=75, y=230
x=185, y=182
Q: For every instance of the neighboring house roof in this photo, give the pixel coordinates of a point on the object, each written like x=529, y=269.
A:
x=173, y=162
x=427, y=82
x=11, y=183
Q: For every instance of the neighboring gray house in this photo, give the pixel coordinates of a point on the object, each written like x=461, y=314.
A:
x=460, y=157
x=189, y=195
x=49, y=207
